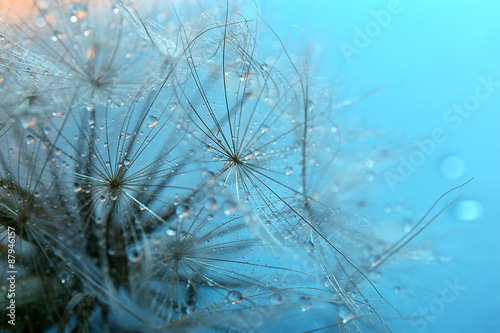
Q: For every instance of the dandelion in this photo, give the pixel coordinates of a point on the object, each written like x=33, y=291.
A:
x=162, y=173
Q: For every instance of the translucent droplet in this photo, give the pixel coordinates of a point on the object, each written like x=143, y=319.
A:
x=468, y=210
x=172, y=106
x=77, y=187
x=229, y=207
x=234, y=296
x=27, y=121
x=345, y=313
x=65, y=277
x=263, y=66
x=77, y=11
x=56, y=36
x=182, y=210
x=275, y=299
x=30, y=139
x=152, y=121
x=133, y=255
x=305, y=303
x=288, y=170
x=211, y=204
x=309, y=246
x=171, y=231
x=453, y=167
x=264, y=128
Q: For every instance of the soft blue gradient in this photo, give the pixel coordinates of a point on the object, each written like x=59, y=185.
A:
x=428, y=58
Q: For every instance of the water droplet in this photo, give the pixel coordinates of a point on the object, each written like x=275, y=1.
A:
x=27, y=121
x=152, y=121
x=309, y=246
x=182, y=210
x=30, y=139
x=275, y=299
x=345, y=313
x=229, y=207
x=264, y=128
x=133, y=255
x=305, y=303
x=234, y=296
x=468, y=210
x=263, y=66
x=65, y=277
x=77, y=11
x=288, y=170
x=77, y=187
x=211, y=204
x=56, y=36
x=171, y=231
x=172, y=106
x=453, y=167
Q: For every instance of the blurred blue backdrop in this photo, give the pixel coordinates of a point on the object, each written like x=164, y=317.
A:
x=432, y=58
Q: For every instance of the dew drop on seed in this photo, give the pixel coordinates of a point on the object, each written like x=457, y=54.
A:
x=152, y=121
x=172, y=106
x=452, y=167
x=275, y=299
x=345, y=313
x=468, y=210
x=288, y=170
x=229, y=207
x=211, y=204
x=327, y=282
x=56, y=36
x=30, y=139
x=77, y=187
x=305, y=303
x=182, y=210
x=133, y=255
x=77, y=11
x=234, y=296
x=27, y=121
x=65, y=277
x=171, y=231
x=263, y=66
x=264, y=128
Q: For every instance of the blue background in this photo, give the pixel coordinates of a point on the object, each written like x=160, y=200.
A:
x=428, y=58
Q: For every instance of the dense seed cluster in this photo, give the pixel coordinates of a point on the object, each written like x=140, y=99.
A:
x=163, y=173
